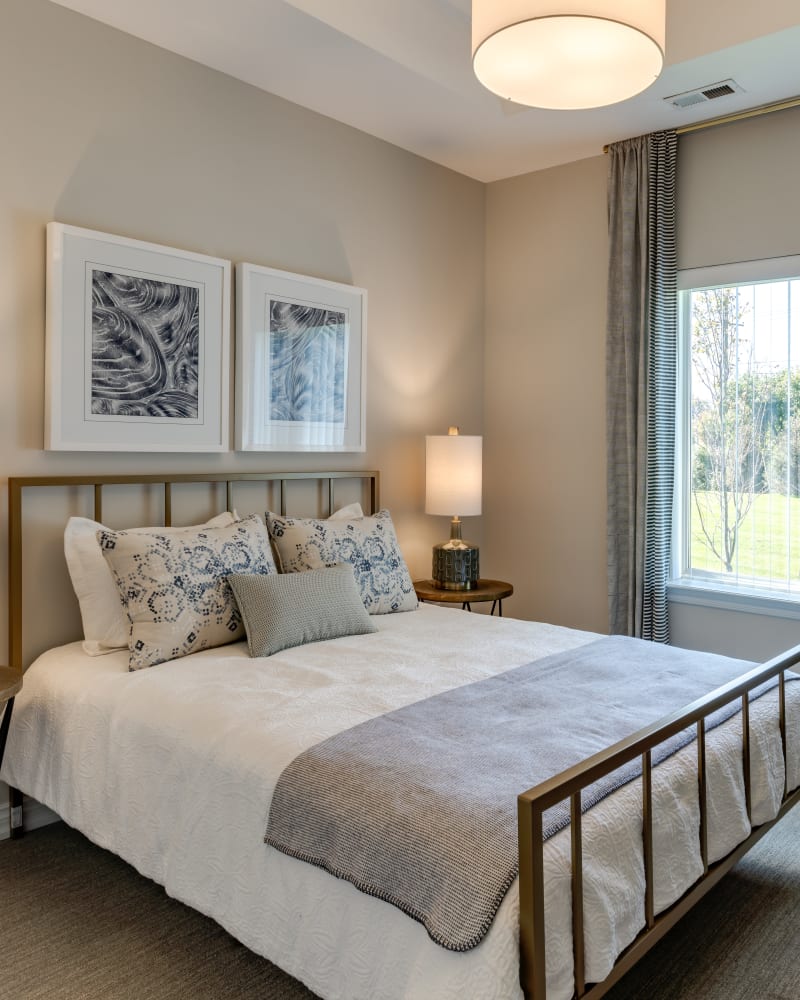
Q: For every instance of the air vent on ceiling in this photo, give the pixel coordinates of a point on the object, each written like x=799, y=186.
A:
x=713, y=92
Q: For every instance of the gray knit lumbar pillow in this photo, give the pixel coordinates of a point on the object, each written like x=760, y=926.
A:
x=291, y=609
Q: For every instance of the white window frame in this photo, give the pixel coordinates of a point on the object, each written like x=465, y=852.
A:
x=682, y=589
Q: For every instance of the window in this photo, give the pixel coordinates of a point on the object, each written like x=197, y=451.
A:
x=737, y=510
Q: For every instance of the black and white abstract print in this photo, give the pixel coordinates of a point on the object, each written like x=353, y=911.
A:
x=308, y=359
x=145, y=347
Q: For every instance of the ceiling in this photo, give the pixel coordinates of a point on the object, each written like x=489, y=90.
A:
x=401, y=70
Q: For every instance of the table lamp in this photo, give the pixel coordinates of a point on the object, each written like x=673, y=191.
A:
x=453, y=486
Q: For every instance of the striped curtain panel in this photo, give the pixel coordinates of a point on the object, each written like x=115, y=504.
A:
x=641, y=365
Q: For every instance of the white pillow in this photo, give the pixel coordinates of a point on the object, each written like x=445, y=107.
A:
x=105, y=622
x=348, y=513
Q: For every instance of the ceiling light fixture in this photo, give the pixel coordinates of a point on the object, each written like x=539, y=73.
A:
x=568, y=54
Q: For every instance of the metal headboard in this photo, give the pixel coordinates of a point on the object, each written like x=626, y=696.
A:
x=17, y=486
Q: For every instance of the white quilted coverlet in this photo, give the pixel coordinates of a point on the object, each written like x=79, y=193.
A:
x=173, y=769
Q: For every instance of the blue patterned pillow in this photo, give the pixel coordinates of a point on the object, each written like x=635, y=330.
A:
x=369, y=544
x=174, y=587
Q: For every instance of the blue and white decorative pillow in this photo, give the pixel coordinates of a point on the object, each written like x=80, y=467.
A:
x=369, y=544
x=174, y=586
x=105, y=623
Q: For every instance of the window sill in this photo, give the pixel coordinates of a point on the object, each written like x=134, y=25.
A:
x=755, y=602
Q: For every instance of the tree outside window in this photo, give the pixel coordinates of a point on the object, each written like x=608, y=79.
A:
x=742, y=476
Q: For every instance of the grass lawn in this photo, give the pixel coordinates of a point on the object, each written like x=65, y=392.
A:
x=763, y=551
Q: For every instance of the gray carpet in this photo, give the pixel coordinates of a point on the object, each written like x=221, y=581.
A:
x=76, y=923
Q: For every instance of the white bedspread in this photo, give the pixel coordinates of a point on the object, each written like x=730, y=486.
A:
x=173, y=769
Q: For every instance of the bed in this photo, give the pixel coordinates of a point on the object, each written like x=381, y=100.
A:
x=174, y=770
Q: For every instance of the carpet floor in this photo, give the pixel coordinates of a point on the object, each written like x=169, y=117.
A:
x=77, y=923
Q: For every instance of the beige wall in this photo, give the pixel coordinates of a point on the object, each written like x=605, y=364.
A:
x=544, y=466
x=545, y=334
x=104, y=131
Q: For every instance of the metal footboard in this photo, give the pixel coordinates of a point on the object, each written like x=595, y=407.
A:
x=533, y=803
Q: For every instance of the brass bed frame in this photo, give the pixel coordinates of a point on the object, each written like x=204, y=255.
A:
x=531, y=803
x=569, y=785
x=17, y=485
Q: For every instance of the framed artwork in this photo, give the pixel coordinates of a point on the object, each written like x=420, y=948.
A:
x=301, y=353
x=137, y=352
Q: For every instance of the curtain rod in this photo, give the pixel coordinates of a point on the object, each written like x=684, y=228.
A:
x=764, y=109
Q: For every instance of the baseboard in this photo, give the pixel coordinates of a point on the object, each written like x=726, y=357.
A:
x=34, y=815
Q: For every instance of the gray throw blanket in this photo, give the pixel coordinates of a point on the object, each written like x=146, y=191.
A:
x=419, y=806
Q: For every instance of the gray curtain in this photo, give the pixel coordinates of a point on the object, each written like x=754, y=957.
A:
x=640, y=380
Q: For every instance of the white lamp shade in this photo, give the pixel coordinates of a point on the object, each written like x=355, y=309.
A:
x=570, y=54
x=453, y=474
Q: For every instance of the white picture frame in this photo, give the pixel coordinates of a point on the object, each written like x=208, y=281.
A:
x=301, y=362
x=137, y=354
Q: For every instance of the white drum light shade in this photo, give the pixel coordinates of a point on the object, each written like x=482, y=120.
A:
x=453, y=475
x=568, y=55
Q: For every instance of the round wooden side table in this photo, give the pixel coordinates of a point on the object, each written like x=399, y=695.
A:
x=486, y=590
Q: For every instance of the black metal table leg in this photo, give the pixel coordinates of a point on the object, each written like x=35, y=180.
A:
x=14, y=794
x=4, y=727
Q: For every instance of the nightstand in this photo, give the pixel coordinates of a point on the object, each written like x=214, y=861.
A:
x=10, y=683
x=486, y=590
